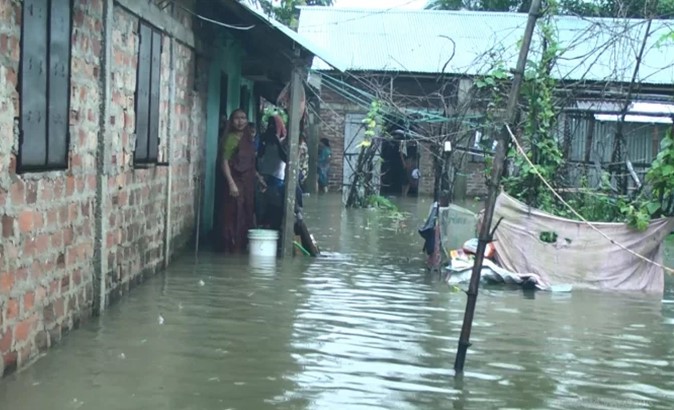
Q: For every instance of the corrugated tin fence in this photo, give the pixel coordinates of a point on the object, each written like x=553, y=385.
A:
x=591, y=145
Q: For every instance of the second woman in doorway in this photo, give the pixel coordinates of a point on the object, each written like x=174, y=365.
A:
x=238, y=167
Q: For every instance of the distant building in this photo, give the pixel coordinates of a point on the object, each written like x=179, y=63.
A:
x=425, y=61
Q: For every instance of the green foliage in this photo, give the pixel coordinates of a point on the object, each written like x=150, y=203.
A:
x=538, y=131
x=662, y=9
x=371, y=121
x=659, y=200
x=378, y=201
x=270, y=111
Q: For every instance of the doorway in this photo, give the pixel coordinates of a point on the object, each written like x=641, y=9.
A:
x=219, y=176
x=394, y=173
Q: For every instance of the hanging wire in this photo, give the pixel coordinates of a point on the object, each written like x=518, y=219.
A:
x=217, y=23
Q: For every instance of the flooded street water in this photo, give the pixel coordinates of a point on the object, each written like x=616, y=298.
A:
x=367, y=328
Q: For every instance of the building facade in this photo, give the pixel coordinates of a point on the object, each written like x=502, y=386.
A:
x=109, y=116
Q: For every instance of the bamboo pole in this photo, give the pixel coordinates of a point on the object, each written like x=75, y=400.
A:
x=485, y=235
x=292, y=167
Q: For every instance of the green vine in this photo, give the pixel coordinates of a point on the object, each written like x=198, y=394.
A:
x=658, y=199
x=539, y=138
x=270, y=111
x=371, y=122
x=363, y=184
x=538, y=131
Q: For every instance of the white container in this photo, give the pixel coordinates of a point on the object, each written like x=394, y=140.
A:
x=263, y=242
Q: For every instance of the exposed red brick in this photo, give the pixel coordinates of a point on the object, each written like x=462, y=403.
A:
x=28, y=301
x=68, y=236
x=60, y=307
x=7, y=279
x=52, y=217
x=65, y=284
x=24, y=329
x=70, y=185
x=12, y=309
x=17, y=193
x=46, y=191
x=6, y=340
x=7, y=226
x=21, y=275
x=58, y=188
x=26, y=221
x=40, y=295
x=57, y=240
x=31, y=192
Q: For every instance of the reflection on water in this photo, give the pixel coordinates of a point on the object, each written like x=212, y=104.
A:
x=363, y=328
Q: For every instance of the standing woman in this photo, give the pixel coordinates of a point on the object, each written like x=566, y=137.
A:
x=324, y=157
x=238, y=167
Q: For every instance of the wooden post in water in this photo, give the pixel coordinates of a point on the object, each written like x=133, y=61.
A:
x=292, y=167
x=485, y=234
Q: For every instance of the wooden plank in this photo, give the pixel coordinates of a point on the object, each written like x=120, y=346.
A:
x=292, y=168
x=59, y=84
x=162, y=20
x=143, y=93
x=33, y=118
x=155, y=84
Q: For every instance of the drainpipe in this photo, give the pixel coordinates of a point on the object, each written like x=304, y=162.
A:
x=169, y=153
x=103, y=167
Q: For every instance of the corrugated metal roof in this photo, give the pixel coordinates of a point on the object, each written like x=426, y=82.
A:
x=464, y=42
x=325, y=57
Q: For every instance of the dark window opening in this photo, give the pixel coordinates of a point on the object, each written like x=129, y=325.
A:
x=44, y=85
x=244, y=98
x=147, y=95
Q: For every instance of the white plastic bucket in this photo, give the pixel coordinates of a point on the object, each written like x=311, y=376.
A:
x=263, y=242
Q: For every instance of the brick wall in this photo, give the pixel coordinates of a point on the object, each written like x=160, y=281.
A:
x=48, y=268
x=427, y=169
x=334, y=109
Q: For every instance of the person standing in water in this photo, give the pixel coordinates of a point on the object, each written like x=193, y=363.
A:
x=324, y=157
x=238, y=167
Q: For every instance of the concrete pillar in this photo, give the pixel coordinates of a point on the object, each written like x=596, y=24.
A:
x=103, y=165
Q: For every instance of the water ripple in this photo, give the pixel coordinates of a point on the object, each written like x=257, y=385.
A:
x=362, y=328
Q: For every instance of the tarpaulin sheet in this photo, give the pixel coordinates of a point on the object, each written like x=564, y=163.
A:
x=580, y=256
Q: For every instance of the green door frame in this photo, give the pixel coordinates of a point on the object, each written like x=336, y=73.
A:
x=226, y=59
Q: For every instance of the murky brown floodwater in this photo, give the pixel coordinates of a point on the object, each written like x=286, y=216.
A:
x=367, y=329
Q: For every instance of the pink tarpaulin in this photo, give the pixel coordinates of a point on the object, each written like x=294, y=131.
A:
x=580, y=256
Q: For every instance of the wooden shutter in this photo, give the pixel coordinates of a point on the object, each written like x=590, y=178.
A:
x=59, y=84
x=143, y=93
x=33, y=122
x=155, y=84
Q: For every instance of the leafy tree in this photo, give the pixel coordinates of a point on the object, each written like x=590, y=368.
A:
x=662, y=9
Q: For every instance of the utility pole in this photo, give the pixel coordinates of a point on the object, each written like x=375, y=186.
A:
x=485, y=234
x=292, y=167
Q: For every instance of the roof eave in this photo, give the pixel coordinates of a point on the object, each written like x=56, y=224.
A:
x=297, y=38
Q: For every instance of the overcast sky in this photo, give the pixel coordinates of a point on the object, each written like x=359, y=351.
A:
x=382, y=4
